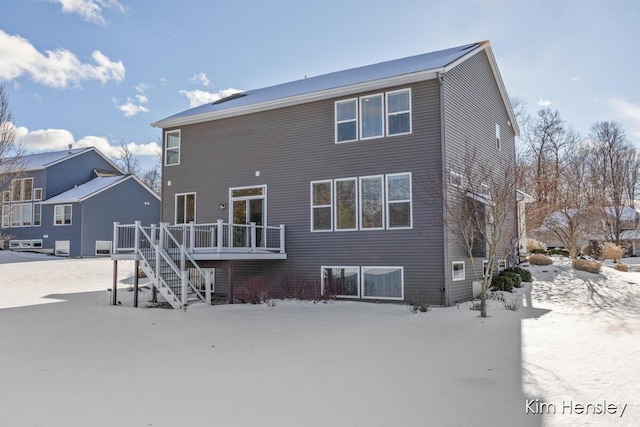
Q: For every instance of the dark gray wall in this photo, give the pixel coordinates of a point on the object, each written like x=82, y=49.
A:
x=472, y=108
x=295, y=145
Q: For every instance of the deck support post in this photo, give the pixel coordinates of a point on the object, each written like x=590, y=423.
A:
x=282, y=239
x=230, y=281
x=220, y=242
x=185, y=280
x=207, y=286
x=252, y=228
x=136, y=282
x=114, y=289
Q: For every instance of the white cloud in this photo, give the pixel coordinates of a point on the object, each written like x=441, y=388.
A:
x=89, y=10
x=202, y=79
x=55, y=68
x=544, y=102
x=629, y=112
x=43, y=140
x=199, y=97
x=575, y=79
x=130, y=108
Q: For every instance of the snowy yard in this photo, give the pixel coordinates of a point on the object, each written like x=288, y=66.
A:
x=68, y=358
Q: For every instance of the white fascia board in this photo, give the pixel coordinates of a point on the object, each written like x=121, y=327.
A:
x=301, y=99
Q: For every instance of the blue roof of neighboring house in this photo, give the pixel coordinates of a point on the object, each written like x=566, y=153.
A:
x=86, y=190
x=300, y=90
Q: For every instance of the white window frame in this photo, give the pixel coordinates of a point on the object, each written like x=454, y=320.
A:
x=6, y=216
x=14, y=244
x=322, y=268
x=339, y=122
x=37, y=194
x=382, y=115
x=57, y=215
x=26, y=217
x=498, y=139
x=455, y=275
x=360, y=204
x=37, y=206
x=175, y=210
x=60, y=251
x=109, y=242
x=397, y=113
x=36, y=243
x=456, y=179
x=390, y=202
x=6, y=196
x=16, y=190
x=363, y=270
x=167, y=148
x=355, y=202
x=24, y=189
x=314, y=207
x=485, y=265
x=16, y=215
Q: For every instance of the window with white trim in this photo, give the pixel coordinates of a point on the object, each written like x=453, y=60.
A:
x=36, y=243
x=498, y=145
x=456, y=179
x=37, y=214
x=383, y=282
x=37, y=194
x=322, y=205
x=185, y=208
x=341, y=281
x=27, y=189
x=399, y=112
x=371, y=116
x=457, y=270
x=27, y=214
x=16, y=190
x=62, y=248
x=399, y=201
x=346, y=204
x=372, y=202
x=6, y=196
x=16, y=215
x=172, y=148
x=103, y=247
x=62, y=214
x=346, y=120
x=6, y=216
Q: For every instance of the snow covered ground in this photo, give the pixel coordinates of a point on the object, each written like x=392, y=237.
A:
x=68, y=358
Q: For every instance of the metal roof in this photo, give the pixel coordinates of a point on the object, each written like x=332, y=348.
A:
x=43, y=160
x=413, y=68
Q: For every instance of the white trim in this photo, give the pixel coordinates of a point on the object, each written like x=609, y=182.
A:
x=382, y=201
x=458, y=177
x=262, y=196
x=362, y=273
x=485, y=265
x=36, y=243
x=397, y=113
x=357, y=268
x=6, y=216
x=337, y=122
x=104, y=241
x=364, y=98
x=37, y=190
x=175, y=207
x=453, y=271
x=55, y=215
x=498, y=140
x=57, y=251
x=330, y=205
x=24, y=182
x=33, y=221
x=355, y=202
x=389, y=202
x=165, y=147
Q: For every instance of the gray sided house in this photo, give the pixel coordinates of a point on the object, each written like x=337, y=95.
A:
x=66, y=202
x=323, y=180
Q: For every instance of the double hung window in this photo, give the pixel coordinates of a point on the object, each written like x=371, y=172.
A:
x=62, y=214
x=172, y=148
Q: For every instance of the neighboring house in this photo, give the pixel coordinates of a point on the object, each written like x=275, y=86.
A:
x=335, y=165
x=66, y=202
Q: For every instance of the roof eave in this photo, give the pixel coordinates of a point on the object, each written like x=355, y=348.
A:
x=301, y=99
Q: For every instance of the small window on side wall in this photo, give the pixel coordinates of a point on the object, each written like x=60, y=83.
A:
x=457, y=270
x=498, y=144
x=172, y=148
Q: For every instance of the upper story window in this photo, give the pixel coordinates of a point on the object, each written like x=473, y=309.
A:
x=373, y=116
x=321, y=205
x=399, y=201
x=399, y=112
x=62, y=215
x=347, y=120
x=37, y=194
x=172, y=148
x=498, y=145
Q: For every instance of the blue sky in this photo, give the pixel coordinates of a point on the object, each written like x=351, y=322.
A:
x=98, y=72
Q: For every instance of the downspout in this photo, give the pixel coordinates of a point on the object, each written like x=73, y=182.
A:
x=444, y=290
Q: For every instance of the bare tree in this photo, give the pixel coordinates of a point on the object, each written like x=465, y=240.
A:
x=11, y=164
x=480, y=211
x=153, y=177
x=127, y=160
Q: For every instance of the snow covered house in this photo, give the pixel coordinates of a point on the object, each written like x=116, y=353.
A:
x=335, y=166
x=66, y=202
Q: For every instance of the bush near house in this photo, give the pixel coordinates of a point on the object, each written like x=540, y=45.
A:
x=502, y=283
x=539, y=259
x=525, y=274
x=586, y=265
x=534, y=245
x=515, y=277
x=561, y=252
x=611, y=251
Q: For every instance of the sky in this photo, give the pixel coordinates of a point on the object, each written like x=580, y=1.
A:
x=99, y=72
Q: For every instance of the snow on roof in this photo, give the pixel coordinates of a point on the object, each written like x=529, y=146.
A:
x=86, y=190
x=406, y=66
x=42, y=160
x=627, y=213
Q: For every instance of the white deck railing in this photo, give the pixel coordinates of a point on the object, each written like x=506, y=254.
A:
x=213, y=237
